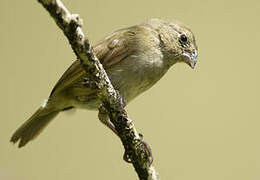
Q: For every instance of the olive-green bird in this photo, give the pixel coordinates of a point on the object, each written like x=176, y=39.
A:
x=135, y=58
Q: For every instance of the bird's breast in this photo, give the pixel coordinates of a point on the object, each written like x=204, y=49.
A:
x=135, y=75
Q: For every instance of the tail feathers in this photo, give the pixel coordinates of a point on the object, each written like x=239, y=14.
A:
x=33, y=126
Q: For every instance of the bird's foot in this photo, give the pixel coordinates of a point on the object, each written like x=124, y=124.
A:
x=144, y=149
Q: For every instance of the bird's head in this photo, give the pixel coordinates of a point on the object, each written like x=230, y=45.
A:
x=177, y=41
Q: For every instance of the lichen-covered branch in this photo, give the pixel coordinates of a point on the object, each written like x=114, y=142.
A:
x=136, y=150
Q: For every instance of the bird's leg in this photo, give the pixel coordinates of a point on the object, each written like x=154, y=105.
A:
x=104, y=118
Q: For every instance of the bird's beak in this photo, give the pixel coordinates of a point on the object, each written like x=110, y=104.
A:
x=190, y=58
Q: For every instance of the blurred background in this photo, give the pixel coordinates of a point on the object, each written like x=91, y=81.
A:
x=201, y=124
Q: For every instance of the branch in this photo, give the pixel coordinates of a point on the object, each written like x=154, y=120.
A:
x=137, y=150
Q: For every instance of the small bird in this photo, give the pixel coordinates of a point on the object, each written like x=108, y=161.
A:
x=135, y=58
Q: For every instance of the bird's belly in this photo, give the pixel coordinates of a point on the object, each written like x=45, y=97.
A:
x=84, y=102
x=128, y=86
x=129, y=82
x=130, y=90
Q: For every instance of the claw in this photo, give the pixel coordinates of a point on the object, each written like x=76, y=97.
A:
x=127, y=158
x=145, y=149
x=149, y=151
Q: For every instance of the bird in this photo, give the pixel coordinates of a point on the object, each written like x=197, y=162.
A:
x=134, y=58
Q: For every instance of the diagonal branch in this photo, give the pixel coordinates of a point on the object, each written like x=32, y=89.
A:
x=135, y=148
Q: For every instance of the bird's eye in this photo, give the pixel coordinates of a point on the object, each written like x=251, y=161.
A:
x=183, y=38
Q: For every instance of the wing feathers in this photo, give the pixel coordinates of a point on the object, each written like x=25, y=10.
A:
x=112, y=50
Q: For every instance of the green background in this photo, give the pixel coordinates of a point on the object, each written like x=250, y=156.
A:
x=201, y=124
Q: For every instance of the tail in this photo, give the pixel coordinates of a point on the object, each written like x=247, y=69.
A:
x=33, y=126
